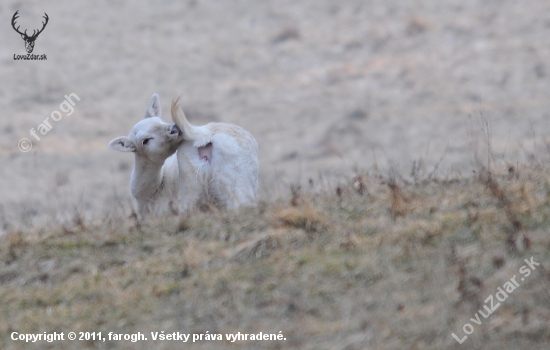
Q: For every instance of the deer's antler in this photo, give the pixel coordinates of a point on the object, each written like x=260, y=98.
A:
x=34, y=33
x=13, y=19
x=43, y=26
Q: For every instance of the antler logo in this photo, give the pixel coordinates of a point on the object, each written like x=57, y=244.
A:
x=29, y=40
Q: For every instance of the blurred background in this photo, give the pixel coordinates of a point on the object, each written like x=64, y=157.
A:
x=326, y=87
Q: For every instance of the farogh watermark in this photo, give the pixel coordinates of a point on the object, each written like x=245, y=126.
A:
x=67, y=106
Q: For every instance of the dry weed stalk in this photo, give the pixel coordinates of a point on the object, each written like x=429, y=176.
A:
x=511, y=214
x=486, y=176
x=360, y=184
x=469, y=287
x=399, y=202
x=303, y=216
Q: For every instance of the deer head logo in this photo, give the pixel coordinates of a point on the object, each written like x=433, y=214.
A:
x=29, y=40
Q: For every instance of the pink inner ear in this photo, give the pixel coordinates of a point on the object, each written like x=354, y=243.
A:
x=205, y=152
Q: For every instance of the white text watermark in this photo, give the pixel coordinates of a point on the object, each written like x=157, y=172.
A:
x=502, y=294
x=67, y=106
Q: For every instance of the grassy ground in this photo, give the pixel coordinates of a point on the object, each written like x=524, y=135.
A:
x=374, y=263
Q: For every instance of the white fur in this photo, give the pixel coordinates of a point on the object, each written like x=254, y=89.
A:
x=155, y=178
x=218, y=164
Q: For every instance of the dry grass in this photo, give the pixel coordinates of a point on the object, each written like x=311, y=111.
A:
x=373, y=263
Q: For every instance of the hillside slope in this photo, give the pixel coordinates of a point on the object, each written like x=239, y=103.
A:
x=375, y=263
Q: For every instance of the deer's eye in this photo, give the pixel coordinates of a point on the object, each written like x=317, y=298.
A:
x=146, y=140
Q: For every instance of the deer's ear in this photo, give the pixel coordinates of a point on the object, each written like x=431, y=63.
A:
x=123, y=144
x=23, y=36
x=153, y=109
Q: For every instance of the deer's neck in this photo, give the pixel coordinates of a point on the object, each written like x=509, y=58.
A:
x=147, y=179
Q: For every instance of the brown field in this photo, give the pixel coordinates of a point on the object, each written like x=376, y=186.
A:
x=403, y=172
x=375, y=263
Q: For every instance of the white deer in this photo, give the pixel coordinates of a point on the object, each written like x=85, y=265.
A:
x=155, y=178
x=218, y=164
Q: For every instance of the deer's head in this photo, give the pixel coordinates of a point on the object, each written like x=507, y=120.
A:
x=29, y=39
